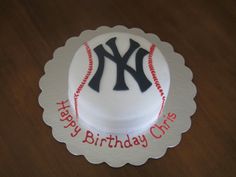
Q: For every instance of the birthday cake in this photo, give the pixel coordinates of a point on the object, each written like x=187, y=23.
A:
x=118, y=82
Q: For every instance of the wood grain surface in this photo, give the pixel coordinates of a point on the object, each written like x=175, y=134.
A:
x=204, y=32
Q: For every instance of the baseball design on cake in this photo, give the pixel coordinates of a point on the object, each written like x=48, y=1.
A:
x=125, y=80
x=117, y=95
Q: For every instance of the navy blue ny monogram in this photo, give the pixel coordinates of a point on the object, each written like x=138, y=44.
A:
x=121, y=65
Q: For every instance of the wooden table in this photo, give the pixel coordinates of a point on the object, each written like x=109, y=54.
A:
x=202, y=31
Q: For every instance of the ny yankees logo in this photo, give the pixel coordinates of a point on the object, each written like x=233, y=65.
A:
x=121, y=65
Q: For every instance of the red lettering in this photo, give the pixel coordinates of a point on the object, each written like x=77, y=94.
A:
x=117, y=141
x=171, y=116
x=103, y=140
x=88, y=138
x=67, y=118
x=127, y=143
x=167, y=125
x=63, y=114
x=63, y=106
x=155, y=134
x=158, y=130
x=76, y=131
x=71, y=124
x=143, y=139
x=110, y=139
x=96, y=140
x=136, y=141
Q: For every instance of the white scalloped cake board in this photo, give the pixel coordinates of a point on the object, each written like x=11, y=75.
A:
x=153, y=143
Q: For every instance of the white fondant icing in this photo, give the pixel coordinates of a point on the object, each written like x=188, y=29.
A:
x=124, y=110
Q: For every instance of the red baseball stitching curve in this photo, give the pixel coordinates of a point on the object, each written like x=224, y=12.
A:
x=81, y=85
x=154, y=77
x=90, y=68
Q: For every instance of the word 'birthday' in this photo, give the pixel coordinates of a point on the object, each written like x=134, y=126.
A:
x=114, y=141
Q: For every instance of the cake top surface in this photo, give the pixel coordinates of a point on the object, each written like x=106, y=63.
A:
x=120, y=84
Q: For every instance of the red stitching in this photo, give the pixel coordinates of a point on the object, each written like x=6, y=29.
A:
x=81, y=85
x=155, y=78
x=90, y=68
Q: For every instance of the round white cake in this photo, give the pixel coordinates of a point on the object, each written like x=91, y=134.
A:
x=118, y=82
